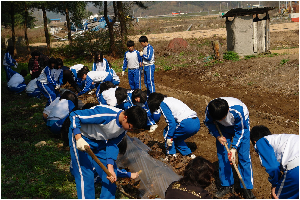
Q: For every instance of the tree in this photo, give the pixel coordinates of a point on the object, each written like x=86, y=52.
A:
x=110, y=26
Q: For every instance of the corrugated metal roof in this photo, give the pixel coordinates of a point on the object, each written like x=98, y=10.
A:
x=242, y=12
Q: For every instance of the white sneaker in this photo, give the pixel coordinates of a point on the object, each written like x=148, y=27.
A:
x=152, y=128
x=167, y=157
x=91, y=92
x=193, y=156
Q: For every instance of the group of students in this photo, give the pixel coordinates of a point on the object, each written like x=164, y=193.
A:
x=103, y=126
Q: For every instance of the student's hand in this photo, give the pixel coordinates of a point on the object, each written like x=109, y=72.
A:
x=57, y=87
x=30, y=72
x=113, y=177
x=123, y=73
x=231, y=155
x=222, y=140
x=93, y=83
x=273, y=194
x=134, y=175
x=141, y=53
x=170, y=142
x=80, y=143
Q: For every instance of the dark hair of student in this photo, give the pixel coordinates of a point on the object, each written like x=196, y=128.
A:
x=59, y=62
x=199, y=172
x=143, y=38
x=154, y=101
x=52, y=61
x=96, y=55
x=130, y=43
x=88, y=106
x=35, y=53
x=120, y=94
x=105, y=86
x=10, y=50
x=70, y=96
x=86, y=68
x=218, y=108
x=139, y=93
x=136, y=116
x=81, y=72
x=122, y=146
x=23, y=72
x=258, y=132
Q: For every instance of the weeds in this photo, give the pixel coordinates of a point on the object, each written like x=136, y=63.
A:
x=283, y=61
x=231, y=55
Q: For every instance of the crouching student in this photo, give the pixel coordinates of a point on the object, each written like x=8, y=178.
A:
x=101, y=128
x=279, y=155
x=56, y=113
x=32, y=90
x=114, y=96
x=182, y=123
x=16, y=82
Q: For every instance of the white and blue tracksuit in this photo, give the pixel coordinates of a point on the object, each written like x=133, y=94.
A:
x=115, y=78
x=75, y=69
x=32, y=89
x=182, y=123
x=57, y=113
x=8, y=62
x=101, y=66
x=57, y=75
x=95, y=77
x=235, y=126
x=108, y=97
x=101, y=129
x=149, y=68
x=47, y=85
x=280, y=153
x=132, y=60
x=16, y=82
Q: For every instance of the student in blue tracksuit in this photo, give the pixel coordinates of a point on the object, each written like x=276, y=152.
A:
x=115, y=97
x=9, y=62
x=56, y=113
x=148, y=62
x=57, y=75
x=100, y=63
x=232, y=117
x=46, y=83
x=32, y=89
x=74, y=70
x=182, y=123
x=133, y=61
x=16, y=83
x=101, y=128
x=279, y=155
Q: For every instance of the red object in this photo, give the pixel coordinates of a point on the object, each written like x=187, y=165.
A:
x=177, y=44
x=295, y=19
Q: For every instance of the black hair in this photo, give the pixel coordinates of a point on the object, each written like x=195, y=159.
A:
x=81, y=72
x=198, y=172
x=258, y=132
x=218, y=108
x=52, y=61
x=136, y=116
x=154, y=101
x=70, y=96
x=143, y=38
x=122, y=146
x=139, y=93
x=105, y=86
x=35, y=53
x=120, y=94
x=86, y=68
x=96, y=55
x=130, y=43
x=59, y=62
x=23, y=72
x=10, y=50
x=88, y=106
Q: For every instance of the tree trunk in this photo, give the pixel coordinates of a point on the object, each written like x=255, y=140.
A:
x=46, y=28
x=68, y=25
x=110, y=30
x=25, y=27
x=123, y=26
x=13, y=34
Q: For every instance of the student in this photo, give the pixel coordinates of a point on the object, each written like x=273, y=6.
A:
x=101, y=128
x=46, y=83
x=9, y=62
x=115, y=78
x=198, y=175
x=100, y=63
x=57, y=75
x=75, y=69
x=232, y=117
x=36, y=64
x=133, y=61
x=56, y=113
x=32, y=90
x=279, y=155
x=17, y=82
x=148, y=60
x=182, y=123
x=114, y=97
x=92, y=79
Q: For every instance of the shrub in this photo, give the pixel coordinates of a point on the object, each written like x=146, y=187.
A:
x=231, y=55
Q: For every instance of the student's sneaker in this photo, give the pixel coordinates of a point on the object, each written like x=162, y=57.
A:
x=193, y=156
x=91, y=92
x=167, y=158
x=223, y=191
x=152, y=128
x=250, y=194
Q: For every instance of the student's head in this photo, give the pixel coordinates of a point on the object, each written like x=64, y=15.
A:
x=143, y=40
x=60, y=63
x=70, y=96
x=130, y=45
x=218, y=109
x=82, y=73
x=199, y=172
x=23, y=72
x=121, y=95
x=10, y=50
x=98, y=57
x=52, y=63
x=135, y=118
x=258, y=132
x=35, y=54
x=154, y=101
x=139, y=96
x=105, y=86
x=86, y=68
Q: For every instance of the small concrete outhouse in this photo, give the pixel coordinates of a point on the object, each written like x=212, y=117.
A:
x=248, y=32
